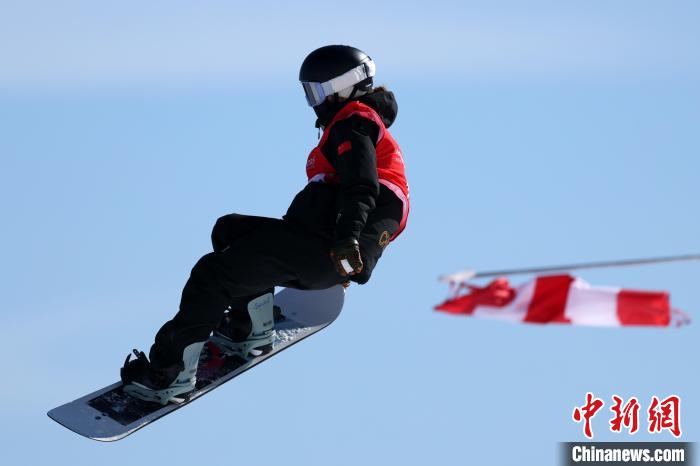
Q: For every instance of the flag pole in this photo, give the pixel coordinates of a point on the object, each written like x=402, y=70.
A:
x=470, y=274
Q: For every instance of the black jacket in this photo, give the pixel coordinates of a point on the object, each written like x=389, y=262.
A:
x=342, y=211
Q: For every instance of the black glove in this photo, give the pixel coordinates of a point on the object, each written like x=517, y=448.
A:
x=346, y=257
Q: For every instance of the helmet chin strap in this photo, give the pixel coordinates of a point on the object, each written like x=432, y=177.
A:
x=327, y=109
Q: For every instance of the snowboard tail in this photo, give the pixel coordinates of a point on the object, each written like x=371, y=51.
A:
x=110, y=414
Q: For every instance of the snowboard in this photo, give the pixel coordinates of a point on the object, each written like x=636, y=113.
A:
x=109, y=414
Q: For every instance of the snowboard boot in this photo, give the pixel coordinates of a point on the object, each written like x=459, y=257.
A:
x=247, y=333
x=161, y=384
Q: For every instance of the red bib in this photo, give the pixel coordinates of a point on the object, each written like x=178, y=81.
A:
x=390, y=165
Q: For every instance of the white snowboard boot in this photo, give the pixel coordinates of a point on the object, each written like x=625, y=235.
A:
x=247, y=333
x=161, y=385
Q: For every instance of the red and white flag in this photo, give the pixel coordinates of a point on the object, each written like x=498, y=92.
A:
x=563, y=299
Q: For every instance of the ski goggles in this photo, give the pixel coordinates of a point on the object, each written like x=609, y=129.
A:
x=316, y=93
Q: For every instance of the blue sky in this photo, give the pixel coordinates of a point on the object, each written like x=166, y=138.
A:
x=534, y=133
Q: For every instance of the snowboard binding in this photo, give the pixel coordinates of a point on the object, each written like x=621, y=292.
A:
x=161, y=385
x=248, y=333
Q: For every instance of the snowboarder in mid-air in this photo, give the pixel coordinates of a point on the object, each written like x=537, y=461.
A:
x=335, y=230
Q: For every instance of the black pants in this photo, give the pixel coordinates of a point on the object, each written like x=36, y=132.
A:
x=252, y=255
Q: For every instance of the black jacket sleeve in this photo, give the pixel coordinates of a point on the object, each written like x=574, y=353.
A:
x=351, y=149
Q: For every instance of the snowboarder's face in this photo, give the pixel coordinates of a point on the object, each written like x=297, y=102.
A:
x=334, y=99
